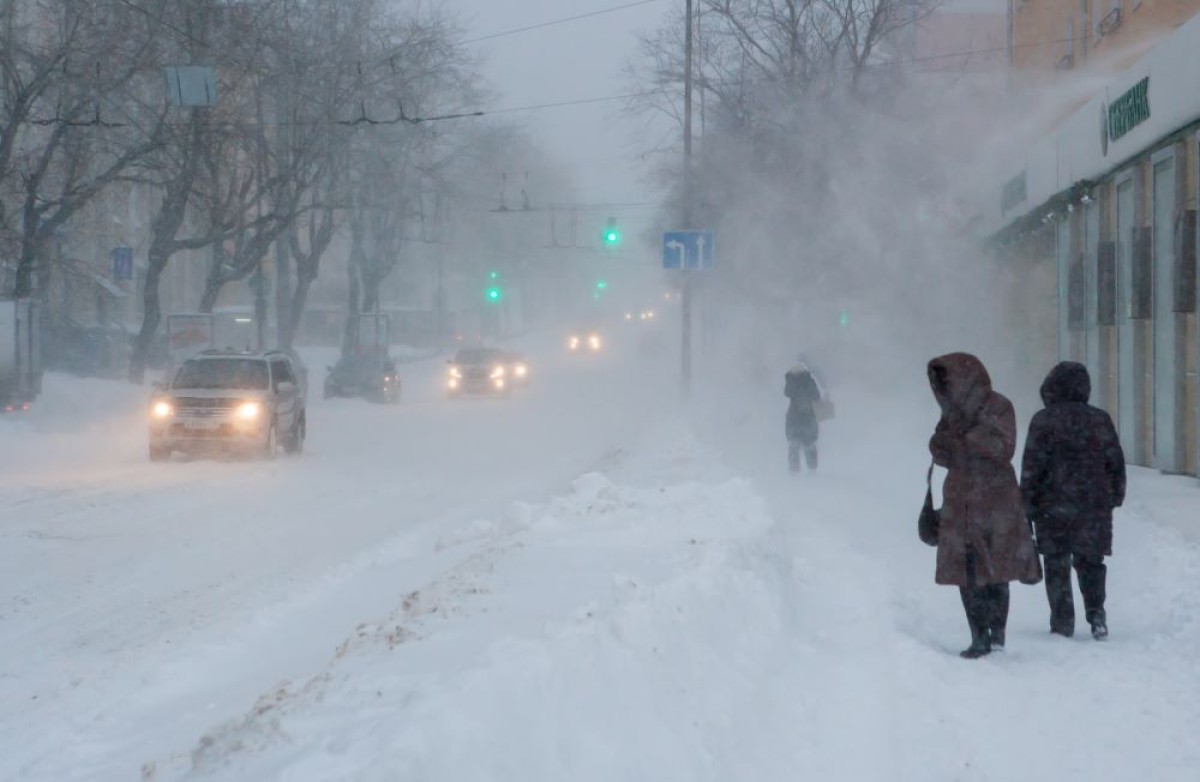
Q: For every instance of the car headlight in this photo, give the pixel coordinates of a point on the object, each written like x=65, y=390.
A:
x=455, y=372
x=573, y=342
x=594, y=342
x=249, y=411
x=163, y=410
x=497, y=372
x=520, y=370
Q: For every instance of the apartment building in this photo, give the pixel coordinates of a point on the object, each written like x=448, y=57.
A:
x=1053, y=37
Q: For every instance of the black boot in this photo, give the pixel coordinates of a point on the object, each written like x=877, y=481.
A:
x=1093, y=574
x=1060, y=595
x=999, y=619
x=981, y=643
x=978, y=616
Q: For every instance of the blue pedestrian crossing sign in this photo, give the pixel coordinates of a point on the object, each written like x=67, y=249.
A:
x=122, y=259
x=688, y=250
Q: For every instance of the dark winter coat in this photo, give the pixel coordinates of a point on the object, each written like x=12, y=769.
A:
x=801, y=388
x=1073, y=470
x=981, y=508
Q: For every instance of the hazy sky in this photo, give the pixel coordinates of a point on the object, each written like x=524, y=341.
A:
x=579, y=60
x=571, y=61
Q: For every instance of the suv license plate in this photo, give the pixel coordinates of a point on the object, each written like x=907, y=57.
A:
x=201, y=425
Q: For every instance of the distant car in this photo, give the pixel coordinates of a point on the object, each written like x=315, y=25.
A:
x=372, y=376
x=587, y=340
x=646, y=315
x=230, y=401
x=478, y=371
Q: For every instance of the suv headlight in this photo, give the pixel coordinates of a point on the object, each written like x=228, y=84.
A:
x=249, y=411
x=162, y=409
x=455, y=372
x=497, y=372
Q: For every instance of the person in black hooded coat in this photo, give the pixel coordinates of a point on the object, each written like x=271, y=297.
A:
x=1072, y=476
x=800, y=424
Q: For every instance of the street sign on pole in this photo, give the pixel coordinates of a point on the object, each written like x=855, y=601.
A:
x=191, y=86
x=688, y=250
x=122, y=260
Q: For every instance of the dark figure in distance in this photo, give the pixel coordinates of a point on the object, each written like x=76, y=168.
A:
x=800, y=425
x=984, y=540
x=1072, y=476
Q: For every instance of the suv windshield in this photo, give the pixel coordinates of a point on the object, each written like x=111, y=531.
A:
x=240, y=373
x=478, y=356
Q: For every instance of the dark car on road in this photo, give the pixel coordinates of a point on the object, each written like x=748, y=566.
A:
x=230, y=401
x=372, y=376
x=479, y=371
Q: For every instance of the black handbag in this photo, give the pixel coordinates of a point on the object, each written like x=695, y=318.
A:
x=931, y=517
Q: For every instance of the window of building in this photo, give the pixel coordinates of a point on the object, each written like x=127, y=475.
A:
x=1185, y=261
x=1075, y=294
x=1141, y=300
x=1068, y=58
x=1106, y=284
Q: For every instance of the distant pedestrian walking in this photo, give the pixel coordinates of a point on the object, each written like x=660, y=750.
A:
x=1072, y=476
x=984, y=540
x=800, y=424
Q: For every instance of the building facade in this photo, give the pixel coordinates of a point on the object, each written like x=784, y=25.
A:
x=1051, y=38
x=1108, y=200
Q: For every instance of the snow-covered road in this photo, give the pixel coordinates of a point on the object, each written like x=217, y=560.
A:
x=140, y=594
x=582, y=582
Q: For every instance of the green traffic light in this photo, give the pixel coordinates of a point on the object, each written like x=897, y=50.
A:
x=493, y=294
x=602, y=284
x=612, y=237
x=493, y=274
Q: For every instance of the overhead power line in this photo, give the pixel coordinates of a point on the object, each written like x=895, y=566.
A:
x=565, y=20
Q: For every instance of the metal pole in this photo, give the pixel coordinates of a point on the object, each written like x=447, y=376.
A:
x=686, y=308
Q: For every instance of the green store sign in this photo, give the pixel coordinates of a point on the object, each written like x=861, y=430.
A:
x=1130, y=110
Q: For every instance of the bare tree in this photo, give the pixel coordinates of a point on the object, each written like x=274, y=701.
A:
x=70, y=125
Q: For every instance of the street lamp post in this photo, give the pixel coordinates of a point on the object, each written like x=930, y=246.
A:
x=686, y=306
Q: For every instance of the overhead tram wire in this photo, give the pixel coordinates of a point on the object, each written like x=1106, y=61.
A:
x=402, y=118
x=555, y=22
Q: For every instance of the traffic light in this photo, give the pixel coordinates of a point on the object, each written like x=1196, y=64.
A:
x=611, y=234
x=493, y=293
x=843, y=318
x=601, y=285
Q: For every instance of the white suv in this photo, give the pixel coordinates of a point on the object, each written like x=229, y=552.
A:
x=224, y=401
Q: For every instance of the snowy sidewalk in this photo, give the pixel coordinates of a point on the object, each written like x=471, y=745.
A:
x=669, y=620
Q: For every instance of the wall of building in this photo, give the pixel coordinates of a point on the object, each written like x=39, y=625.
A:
x=1054, y=38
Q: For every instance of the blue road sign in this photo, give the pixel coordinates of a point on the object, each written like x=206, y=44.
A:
x=688, y=250
x=122, y=258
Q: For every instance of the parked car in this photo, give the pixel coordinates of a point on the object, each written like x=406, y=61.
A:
x=372, y=376
x=230, y=401
x=478, y=371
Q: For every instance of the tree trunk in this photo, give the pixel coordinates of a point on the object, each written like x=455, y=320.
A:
x=295, y=313
x=212, y=291
x=283, y=290
x=151, y=312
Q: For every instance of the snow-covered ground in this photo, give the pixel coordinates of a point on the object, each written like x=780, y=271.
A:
x=587, y=581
